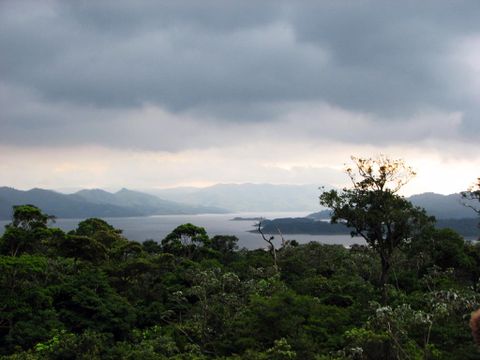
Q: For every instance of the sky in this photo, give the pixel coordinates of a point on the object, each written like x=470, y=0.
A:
x=154, y=94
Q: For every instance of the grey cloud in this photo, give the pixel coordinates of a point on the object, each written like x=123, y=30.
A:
x=29, y=122
x=232, y=60
x=179, y=68
x=386, y=56
x=123, y=16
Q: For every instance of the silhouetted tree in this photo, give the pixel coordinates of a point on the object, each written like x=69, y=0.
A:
x=471, y=198
x=26, y=231
x=374, y=211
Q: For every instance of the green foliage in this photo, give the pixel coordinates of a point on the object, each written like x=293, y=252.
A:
x=472, y=196
x=81, y=247
x=26, y=232
x=93, y=294
x=27, y=314
x=151, y=247
x=185, y=240
x=86, y=301
x=375, y=212
x=281, y=350
x=100, y=231
x=66, y=345
x=29, y=217
x=225, y=246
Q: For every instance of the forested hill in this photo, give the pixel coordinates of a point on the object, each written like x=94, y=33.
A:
x=449, y=211
x=215, y=199
x=442, y=206
x=467, y=227
x=95, y=203
x=93, y=294
x=438, y=205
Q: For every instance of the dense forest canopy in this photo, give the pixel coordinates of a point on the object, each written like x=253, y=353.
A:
x=93, y=294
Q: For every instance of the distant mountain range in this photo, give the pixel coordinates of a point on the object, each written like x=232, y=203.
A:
x=443, y=206
x=440, y=206
x=247, y=197
x=269, y=197
x=219, y=198
x=96, y=203
x=447, y=209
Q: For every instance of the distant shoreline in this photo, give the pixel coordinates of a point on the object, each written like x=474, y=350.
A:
x=239, y=218
x=466, y=227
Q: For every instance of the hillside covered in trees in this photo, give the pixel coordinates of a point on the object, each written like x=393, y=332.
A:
x=467, y=227
x=95, y=203
x=93, y=294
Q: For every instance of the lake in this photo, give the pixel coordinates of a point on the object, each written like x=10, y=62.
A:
x=158, y=226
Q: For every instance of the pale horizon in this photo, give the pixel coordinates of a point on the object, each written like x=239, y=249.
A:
x=72, y=190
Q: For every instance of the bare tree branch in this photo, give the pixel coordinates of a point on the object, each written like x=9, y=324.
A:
x=269, y=241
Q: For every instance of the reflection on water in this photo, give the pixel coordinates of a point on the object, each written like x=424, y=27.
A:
x=157, y=227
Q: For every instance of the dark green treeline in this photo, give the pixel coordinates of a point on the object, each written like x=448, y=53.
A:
x=92, y=294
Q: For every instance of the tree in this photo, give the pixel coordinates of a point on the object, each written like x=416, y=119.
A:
x=184, y=240
x=471, y=197
x=25, y=232
x=271, y=246
x=26, y=311
x=225, y=245
x=375, y=212
x=100, y=231
x=151, y=247
x=81, y=247
x=29, y=217
x=85, y=300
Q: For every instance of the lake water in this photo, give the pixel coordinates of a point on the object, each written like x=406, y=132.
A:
x=157, y=227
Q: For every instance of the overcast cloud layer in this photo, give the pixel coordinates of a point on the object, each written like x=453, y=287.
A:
x=201, y=77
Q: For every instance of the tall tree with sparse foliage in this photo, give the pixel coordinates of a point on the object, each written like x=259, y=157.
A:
x=373, y=209
x=471, y=197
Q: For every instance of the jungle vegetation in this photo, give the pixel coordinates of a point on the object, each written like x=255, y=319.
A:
x=93, y=294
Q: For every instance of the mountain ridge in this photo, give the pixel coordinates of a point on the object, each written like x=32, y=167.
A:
x=284, y=197
x=438, y=205
x=247, y=197
x=95, y=203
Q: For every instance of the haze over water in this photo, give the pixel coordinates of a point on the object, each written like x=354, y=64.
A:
x=157, y=227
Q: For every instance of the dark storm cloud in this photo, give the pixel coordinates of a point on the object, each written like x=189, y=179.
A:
x=117, y=54
x=232, y=60
x=389, y=55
